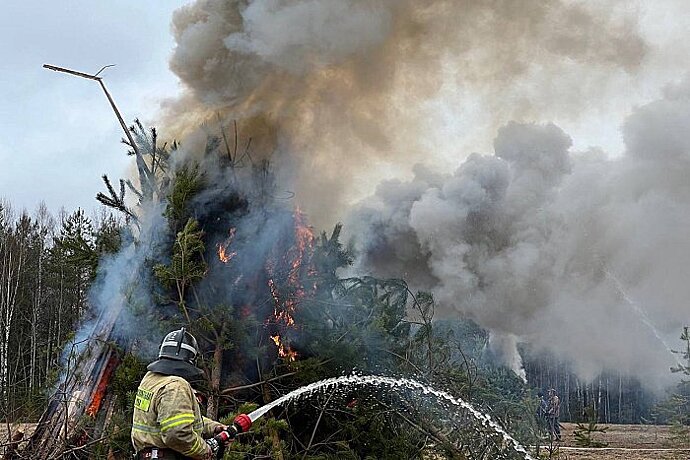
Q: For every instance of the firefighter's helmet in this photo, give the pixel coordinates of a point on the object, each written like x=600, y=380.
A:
x=179, y=345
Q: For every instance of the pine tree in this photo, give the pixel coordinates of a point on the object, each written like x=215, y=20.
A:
x=677, y=407
x=186, y=266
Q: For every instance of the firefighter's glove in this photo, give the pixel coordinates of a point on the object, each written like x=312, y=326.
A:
x=218, y=430
x=214, y=446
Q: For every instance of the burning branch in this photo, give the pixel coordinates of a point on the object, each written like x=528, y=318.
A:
x=224, y=255
x=283, y=351
x=297, y=258
x=102, y=386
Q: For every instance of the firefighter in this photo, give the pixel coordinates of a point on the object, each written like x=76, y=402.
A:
x=167, y=421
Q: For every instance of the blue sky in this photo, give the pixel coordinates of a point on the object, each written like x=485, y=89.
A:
x=58, y=134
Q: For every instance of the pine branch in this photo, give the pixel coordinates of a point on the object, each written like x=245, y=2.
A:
x=133, y=189
x=115, y=201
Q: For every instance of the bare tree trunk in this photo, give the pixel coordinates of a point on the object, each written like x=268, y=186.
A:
x=567, y=395
x=607, y=407
x=216, y=372
x=34, y=320
x=598, y=408
x=8, y=305
x=620, y=397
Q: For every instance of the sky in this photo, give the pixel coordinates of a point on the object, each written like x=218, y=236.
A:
x=58, y=135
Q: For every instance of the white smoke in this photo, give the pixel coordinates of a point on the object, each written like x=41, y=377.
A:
x=330, y=31
x=122, y=290
x=522, y=241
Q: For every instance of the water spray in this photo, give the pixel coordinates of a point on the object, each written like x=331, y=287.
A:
x=641, y=313
x=409, y=384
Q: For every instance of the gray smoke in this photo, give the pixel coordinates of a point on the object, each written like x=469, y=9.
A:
x=573, y=252
x=345, y=91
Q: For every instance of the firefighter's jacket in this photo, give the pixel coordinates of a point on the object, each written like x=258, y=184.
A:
x=167, y=415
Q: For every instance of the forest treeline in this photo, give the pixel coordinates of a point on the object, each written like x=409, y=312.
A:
x=47, y=264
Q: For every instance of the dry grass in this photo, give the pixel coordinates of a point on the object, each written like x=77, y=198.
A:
x=15, y=431
x=625, y=442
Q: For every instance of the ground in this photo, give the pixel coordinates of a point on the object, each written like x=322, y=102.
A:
x=625, y=442
x=20, y=432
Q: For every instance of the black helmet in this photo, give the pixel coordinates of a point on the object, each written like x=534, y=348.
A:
x=179, y=345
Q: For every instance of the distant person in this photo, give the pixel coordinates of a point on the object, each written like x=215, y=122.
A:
x=542, y=411
x=553, y=412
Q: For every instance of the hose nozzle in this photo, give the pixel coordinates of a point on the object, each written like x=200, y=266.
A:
x=241, y=424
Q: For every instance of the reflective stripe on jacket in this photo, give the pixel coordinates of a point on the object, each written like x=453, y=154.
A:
x=167, y=415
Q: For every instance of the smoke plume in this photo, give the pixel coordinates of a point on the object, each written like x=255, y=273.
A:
x=341, y=92
x=573, y=252
x=365, y=101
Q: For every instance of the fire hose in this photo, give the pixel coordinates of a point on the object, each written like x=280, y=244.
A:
x=241, y=424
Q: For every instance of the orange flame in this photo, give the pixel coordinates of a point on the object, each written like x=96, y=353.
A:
x=224, y=255
x=102, y=386
x=285, y=306
x=284, y=352
x=304, y=242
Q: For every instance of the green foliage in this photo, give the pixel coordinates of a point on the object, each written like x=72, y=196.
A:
x=118, y=436
x=48, y=266
x=186, y=184
x=108, y=238
x=329, y=256
x=257, y=441
x=358, y=323
x=585, y=431
x=80, y=245
x=675, y=410
x=152, y=161
x=115, y=200
x=77, y=243
x=187, y=265
x=126, y=380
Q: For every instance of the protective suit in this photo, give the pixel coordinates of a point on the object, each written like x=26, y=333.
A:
x=167, y=415
x=167, y=421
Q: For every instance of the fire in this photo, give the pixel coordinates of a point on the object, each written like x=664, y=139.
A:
x=285, y=306
x=224, y=254
x=102, y=386
x=304, y=243
x=284, y=352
